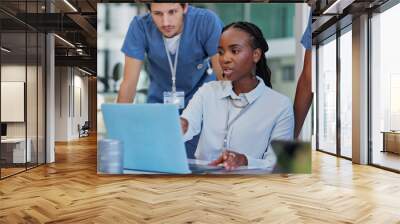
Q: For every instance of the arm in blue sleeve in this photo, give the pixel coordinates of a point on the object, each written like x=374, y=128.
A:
x=212, y=28
x=135, y=44
x=306, y=40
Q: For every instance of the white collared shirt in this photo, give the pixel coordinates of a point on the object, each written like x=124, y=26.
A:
x=269, y=116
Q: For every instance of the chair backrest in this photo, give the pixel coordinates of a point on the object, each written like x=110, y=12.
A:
x=86, y=125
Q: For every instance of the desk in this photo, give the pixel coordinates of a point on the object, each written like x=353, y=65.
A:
x=391, y=141
x=16, y=147
x=239, y=170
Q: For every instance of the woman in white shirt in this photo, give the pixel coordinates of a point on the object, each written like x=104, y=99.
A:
x=238, y=117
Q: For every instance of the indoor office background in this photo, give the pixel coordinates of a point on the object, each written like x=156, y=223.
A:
x=37, y=68
x=334, y=74
x=22, y=107
x=355, y=116
x=277, y=22
x=23, y=52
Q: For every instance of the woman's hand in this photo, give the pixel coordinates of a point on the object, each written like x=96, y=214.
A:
x=231, y=160
x=184, y=125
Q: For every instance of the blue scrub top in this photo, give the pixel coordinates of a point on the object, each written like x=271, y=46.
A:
x=199, y=41
x=306, y=40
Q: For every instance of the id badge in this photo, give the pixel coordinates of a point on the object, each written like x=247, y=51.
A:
x=177, y=98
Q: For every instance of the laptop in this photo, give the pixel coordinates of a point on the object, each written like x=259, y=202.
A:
x=152, y=138
x=292, y=156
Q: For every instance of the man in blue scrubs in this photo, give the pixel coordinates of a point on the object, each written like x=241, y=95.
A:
x=178, y=41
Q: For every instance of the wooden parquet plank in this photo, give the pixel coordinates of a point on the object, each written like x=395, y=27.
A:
x=70, y=191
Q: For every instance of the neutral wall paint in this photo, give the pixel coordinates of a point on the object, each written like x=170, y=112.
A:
x=70, y=83
x=34, y=125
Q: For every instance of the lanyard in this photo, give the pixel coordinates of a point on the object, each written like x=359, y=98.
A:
x=172, y=67
x=228, y=124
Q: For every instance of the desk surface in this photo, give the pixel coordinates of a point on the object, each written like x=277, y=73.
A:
x=390, y=132
x=13, y=140
x=239, y=170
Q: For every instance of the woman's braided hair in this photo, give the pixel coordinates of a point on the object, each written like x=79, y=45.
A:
x=257, y=41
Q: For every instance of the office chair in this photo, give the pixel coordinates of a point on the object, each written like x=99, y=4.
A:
x=84, y=130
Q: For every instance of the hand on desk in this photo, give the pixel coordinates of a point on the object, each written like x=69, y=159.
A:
x=231, y=160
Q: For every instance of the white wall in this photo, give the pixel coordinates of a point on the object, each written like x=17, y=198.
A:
x=33, y=127
x=71, y=94
x=16, y=73
x=13, y=73
x=61, y=103
x=80, y=103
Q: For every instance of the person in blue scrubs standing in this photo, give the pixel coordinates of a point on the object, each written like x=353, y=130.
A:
x=179, y=42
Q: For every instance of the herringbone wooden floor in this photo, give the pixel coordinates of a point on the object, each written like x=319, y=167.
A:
x=70, y=191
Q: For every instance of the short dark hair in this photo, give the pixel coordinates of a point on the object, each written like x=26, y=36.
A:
x=148, y=5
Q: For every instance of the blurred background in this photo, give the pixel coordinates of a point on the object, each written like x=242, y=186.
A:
x=281, y=24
